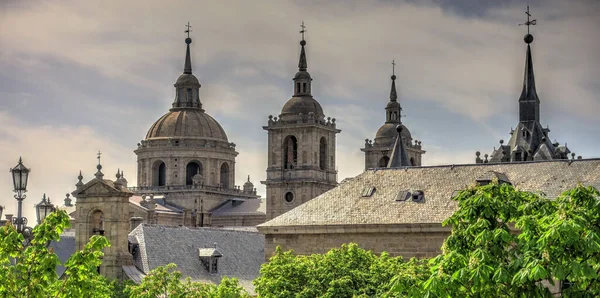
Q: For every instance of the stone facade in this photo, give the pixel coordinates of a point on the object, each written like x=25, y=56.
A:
x=412, y=240
x=103, y=209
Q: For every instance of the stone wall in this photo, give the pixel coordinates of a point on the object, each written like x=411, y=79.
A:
x=406, y=241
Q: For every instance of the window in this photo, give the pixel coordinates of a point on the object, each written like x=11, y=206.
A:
x=290, y=150
x=368, y=191
x=323, y=154
x=403, y=195
x=191, y=170
x=159, y=173
x=225, y=175
x=303, y=87
x=383, y=162
x=297, y=87
x=289, y=197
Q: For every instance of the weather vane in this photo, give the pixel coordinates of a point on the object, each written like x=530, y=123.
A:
x=189, y=29
x=303, y=30
x=99, y=155
x=529, y=22
x=393, y=67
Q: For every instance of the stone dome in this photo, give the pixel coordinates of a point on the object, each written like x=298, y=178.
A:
x=302, y=105
x=186, y=123
x=387, y=133
x=187, y=79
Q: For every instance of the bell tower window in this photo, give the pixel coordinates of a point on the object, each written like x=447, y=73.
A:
x=290, y=149
x=323, y=154
x=225, y=175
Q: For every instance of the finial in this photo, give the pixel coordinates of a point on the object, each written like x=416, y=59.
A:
x=393, y=70
x=80, y=182
x=188, y=30
x=118, y=175
x=248, y=178
x=528, y=38
x=302, y=31
x=99, y=174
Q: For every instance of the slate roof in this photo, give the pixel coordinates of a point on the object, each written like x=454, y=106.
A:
x=344, y=204
x=160, y=206
x=64, y=248
x=243, y=207
x=243, y=252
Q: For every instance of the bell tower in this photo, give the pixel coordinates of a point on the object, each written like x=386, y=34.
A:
x=301, y=146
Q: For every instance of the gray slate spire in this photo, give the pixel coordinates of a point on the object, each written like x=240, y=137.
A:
x=529, y=103
x=302, y=64
x=399, y=156
x=187, y=69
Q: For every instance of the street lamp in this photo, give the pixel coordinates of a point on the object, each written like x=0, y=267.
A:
x=43, y=209
x=20, y=173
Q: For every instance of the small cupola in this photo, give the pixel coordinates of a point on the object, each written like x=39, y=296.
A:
x=209, y=257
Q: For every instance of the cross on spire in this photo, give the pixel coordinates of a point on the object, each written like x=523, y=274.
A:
x=188, y=29
x=393, y=67
x=303, y=30
x=529, y=22
x=99, y=155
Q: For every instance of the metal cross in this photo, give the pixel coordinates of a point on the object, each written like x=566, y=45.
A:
x=189, y=29
x=529, y=22
x=303, y=30
x=99, y=155
x=393, y=67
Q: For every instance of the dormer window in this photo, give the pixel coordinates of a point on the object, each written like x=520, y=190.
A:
x=209, y=257
x=418, y=196
x=403, y=195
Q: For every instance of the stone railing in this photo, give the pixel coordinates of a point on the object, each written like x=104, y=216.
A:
x=173, y=188
x=309, y=118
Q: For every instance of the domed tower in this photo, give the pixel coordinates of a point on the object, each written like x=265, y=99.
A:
x=301, y=146
x=187, y=149
x=378, y=153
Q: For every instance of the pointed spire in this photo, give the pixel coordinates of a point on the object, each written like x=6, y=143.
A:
x=79, y=184
x=399, y=156
x=529, y=103
x=393, y=93
x=187, y=69
x=302, y=64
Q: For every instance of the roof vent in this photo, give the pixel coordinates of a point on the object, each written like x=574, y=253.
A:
x=490, y=176
x=368, y=191
x=418, y=196
x=403, y=195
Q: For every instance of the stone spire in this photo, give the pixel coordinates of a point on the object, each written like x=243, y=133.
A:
x=399, y=157
x=393, y=109
x=187, y=85
x=302, y=79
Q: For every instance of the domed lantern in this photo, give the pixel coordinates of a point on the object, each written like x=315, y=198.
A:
x=43, y=209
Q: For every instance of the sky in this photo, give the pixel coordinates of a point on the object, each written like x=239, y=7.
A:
x=78, y=77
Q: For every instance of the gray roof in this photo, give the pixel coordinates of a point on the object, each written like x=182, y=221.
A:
x=64, y=248
x=344, y=204
x=241, y=207
x=243, y=252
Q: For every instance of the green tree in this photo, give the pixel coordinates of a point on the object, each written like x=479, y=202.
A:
x=509, y=243
x=30, y=271
x=343, y=272
x=166, y=281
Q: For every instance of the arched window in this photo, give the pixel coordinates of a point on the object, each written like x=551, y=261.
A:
x=412, y=161
x=191, y=170
x=225, y=175
x=323, y=153
x=297, y=87
x=290, y=150
x=383, y=162
x=96, y=222
x=159, y=173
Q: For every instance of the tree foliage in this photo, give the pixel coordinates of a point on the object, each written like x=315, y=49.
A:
x=509, y=243
x=345, y=272
x=30, y=271
x=166, y=281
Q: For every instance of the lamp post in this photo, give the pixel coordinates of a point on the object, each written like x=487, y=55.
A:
x=43, y=209
x=20, y=174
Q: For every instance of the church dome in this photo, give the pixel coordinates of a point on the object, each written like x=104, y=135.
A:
x=186, y=123
x=387, y=134
x=302, y=105
x=187, y=79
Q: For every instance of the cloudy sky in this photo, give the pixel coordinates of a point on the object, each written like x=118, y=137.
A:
x=81, y=76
